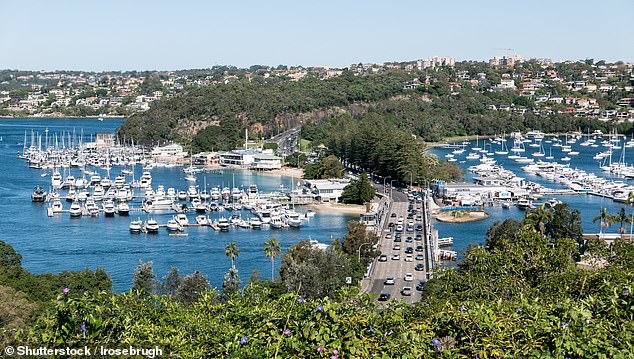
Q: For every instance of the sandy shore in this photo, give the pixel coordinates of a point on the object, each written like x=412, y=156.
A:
x=287, y=172
x=338, y=207
x=468, y=217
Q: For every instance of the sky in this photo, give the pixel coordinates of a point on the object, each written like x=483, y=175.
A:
x=103, y=35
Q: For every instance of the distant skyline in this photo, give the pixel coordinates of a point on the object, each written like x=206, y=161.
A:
x=187, y=34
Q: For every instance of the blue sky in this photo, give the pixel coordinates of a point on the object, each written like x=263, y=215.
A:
x=168, y=35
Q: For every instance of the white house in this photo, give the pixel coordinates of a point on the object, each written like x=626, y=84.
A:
x=169, y=153
x=329, y=190
x=265, y=161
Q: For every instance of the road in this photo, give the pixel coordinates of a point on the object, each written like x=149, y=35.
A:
x=397, y=268
x=287, y=141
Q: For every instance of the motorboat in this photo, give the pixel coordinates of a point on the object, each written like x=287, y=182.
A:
x=182, y=195
x=98, y=192
x=202, y=220
x=108, y=208
x=236, y=194
x=223, y=224
x=255, y=223
x=123, y=209
x=151, y=226
x=277, y=222
x=146, y=180
x=38, y=194
x=523, y=203
x=91, y=207
x=215, y=194
x=75, y=210
x=181, y=218
x=192, y=192
x=135, y=226
x=56, y=206
x=294, y=219
x=173, y=225
x=198, y=205
x=56, y=180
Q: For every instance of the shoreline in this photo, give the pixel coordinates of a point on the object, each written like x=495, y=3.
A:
x=446, y=217
x=55, y=117
x=338, y=207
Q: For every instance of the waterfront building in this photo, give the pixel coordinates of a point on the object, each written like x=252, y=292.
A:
x=206, y=159
x=264, y=161
x=329, y=190
x=170, y=153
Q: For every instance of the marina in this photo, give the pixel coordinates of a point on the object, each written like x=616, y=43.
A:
x=598, y=175
x=89, y=222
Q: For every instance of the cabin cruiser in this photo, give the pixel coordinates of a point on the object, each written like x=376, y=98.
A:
x=38, y=194
x=198, y=205
x=158, y=203
x=277, y=222
x=182, y=195
x=253, y=193
x=81, y=182
x=226, y=193
x=151, y=226
x=192, y=192
x=119, y=181
x=256, y=223
x=70, y=181
x=95, y=179
x=106, y=182
x=91, y=207
x=202, y=220
x=56, y=206
x=173, y=225
x=108, y=208
x=56, y=180
x=293, y=219
x=236, y=194
x=146, y=180
x=215, y=194
x=123, y=209
x=75, y=210
x=523, y=203
x=135, y=226
x=181, y=218
x=204, y=195
x=223, y=224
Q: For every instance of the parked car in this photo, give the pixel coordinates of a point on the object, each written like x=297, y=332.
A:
x=384, y=297
x=389, y=281
x=396, y=257
x=420, y=286
x=406, y=291
x=409, y=258
x=420, y=257
x=419, y=267
x=419, y=248
x=409, y=277
x=383, y=258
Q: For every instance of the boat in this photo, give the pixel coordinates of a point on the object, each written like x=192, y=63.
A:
x=91, y=207
x=173, y=225
x=38, y=194
x=56, y=180
x=202, y=220
x=123, y=209
x=192, y=192
x=255, y=223
x=108, y=208
x=523, y=203
x=56, y=206
x=277, y=222
x=445, y=242
x=223, y=224
x=75, y=210
x=146, y=180
x=294, y=219
x=190, y=178
x=181, y=218
x=151, y=226
x=136, y=226
x=552, y=202
x=566, y=159
x=198, y=205
x=182, y=195
x=506, y=205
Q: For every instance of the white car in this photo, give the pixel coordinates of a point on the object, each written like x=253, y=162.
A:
x=389, y=281
x=396, y=257
x=396, y=248
x=409, y=258
x=409, y=277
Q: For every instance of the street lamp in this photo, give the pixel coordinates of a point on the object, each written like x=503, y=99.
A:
x=384, y=178
x=362, y=244
x=391, y=188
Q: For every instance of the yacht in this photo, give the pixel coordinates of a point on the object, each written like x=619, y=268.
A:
x=56, y=206
x=253, y=193
x=202, y=220
x=294, y=219
x=70, y=181
x=91, y=207
x=215, y=194
x=106, y=182
x=204, y=195
x=173, y=225
x=182, y=195
x=198, y=205
x=95, y=179
x=243, y=224
x=123, y=209
x=277, y=222
x=226, y=193
x=108, y=208
x=181, y=218
x=81, y=182
x=56, y=180
x=38, y=194
x=190, y=178
x=151, y=226
x=523, y=203
x=135, y=226
x=75, y=210
x=236, y=194
x=192, y=192
x=223, y=224
x=146, y=180
x=119, y=181
x=256, y=223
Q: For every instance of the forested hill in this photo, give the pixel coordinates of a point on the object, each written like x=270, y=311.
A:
x=265, y=107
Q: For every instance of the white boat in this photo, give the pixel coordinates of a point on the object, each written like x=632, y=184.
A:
x=151, y=226
x=523, y=203
x=192, y=192
x=56, y=206
x=566, y=159
x=136, y=226
x=146, y=180
x=277, y=222
x=56, y=180
x=106, y=182
x=223, y=224
x=236, y=194
x=98, y=192
x=202, y=220
x=75, y=209
x=190, y=178
x=91, y=207
x=198, y=205
x=173, y=225
x=182, y=195
x=255, y=223
x=181, y=218
x=123, y=209
x=204, y=195
x=243, y=224
x=108, y=208
x=294, y=219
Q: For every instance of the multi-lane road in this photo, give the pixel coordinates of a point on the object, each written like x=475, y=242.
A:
x=397, y=263
x=287, y=141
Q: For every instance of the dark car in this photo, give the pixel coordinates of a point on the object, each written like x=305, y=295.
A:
x=384, y=297
x=393, y=215
x=420, y=257
x=391, y=224
x=419, y=237
x=419, y=267
x=409, y=240
x=419, y=228
x=420, y=286
x=419, y=248
x=409, y=250
x=397, y=238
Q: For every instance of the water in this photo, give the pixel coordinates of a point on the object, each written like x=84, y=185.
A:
x=60, y=243
x=589, y=206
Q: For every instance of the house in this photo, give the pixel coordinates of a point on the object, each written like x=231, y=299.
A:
x=239, y=158
x=263, y=161
x=329, y=190
x=206, y=159
x=172, y=153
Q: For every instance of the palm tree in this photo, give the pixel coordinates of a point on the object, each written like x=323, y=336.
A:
x=621, y=217
x=539, y=217
x=232, y=251
x=272, y=250
x=605, y=220
x=630, y=202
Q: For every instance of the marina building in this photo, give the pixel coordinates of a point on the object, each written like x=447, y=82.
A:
x=264, y=161
x=206, y=159
x=171, y=153
x=329, y=190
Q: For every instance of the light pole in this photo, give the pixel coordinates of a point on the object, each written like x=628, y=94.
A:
x=385, y=178
x=359, y=251
x=391, y=187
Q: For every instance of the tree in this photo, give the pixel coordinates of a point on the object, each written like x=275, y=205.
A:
x=630, y=202
x=566, y=223
x=272, y=250
x=232, y=251
x=620, y=218
x=539, y=218
x=171, y=282
x=192, y=287
x=9, y=258
x=231, y=283
x=143, y=281
x=359, y=191
x=604, y=219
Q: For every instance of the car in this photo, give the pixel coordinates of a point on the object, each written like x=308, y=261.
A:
x=409, y=240
x=410, y=229
x=408, y=277
x=388, y=236
x=406, y=291
x=399, y=228
x=419, y=237
x=420, y=257
x=391, y=224
x=396, y=257
x=419, y=267
x=410, y=224
x=384, y=297
x=389, y=281
x=401, y=219
x=410, y=216
x=383, y=258
x=393, y=215
x=396, y=247
x=419, y=228
x=419, y=248
x=420, y=286
x=409, y=258
x=397, y=239
x=409, y=250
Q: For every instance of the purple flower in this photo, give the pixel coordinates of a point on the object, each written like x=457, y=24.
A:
x=320, y=349
x=388, y=333
x=334, y=357
x=320, y=308
x=83, y=328
x=371, y=329
x=564, y=325
x=243, y=340
x=66, y=290
x=518, y=310
x=436, y=343
x=300, y=300
x=335, y=351
x=286, y=332
x=626, y=290
x=462, y=308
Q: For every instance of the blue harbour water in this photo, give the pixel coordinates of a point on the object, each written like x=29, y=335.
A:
x=589, y=205
x=62, y=243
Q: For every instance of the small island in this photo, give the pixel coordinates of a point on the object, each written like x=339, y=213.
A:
x=461, y=216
